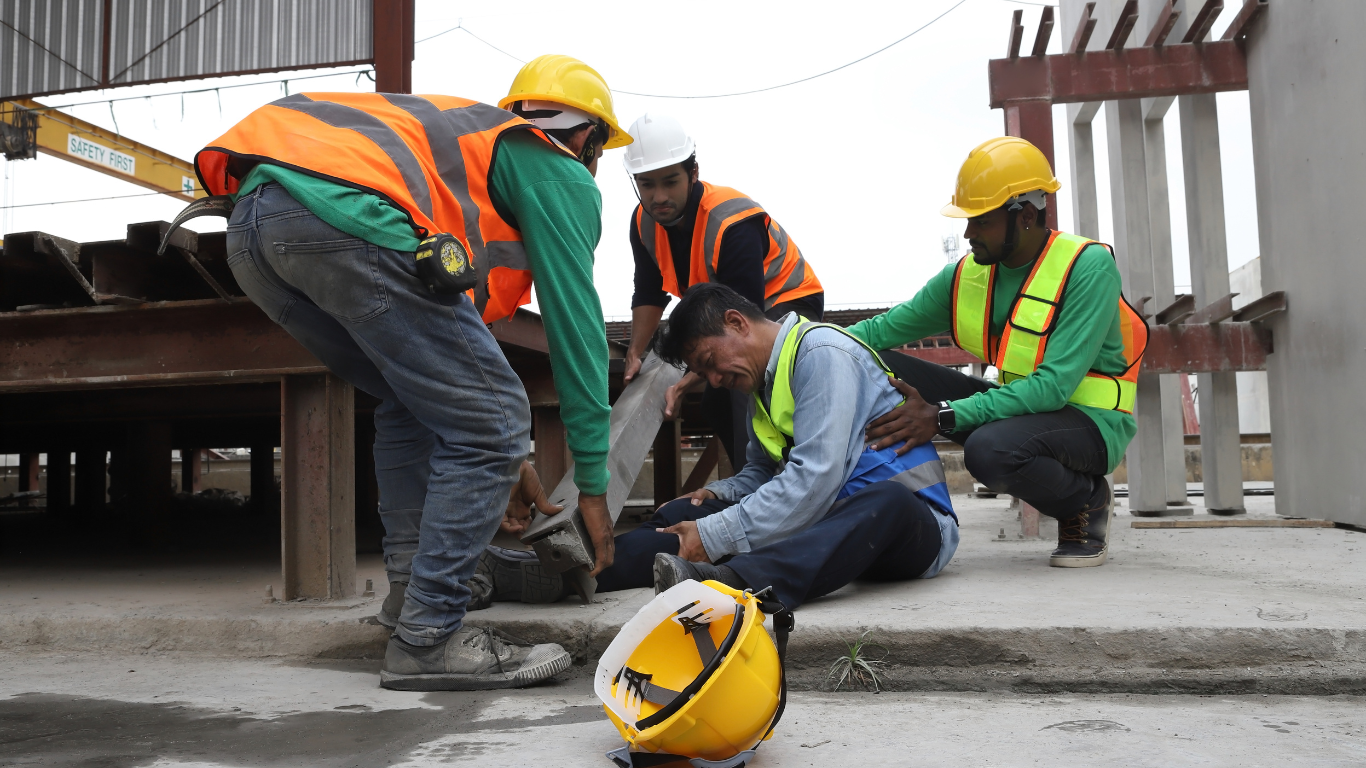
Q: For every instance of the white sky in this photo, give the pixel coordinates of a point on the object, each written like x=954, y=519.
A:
x=855, y=165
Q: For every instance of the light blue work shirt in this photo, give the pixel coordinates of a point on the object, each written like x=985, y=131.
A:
x=838, y=388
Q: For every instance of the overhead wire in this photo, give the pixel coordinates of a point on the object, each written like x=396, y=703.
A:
x=206, y=90
x=84, y=200
x=898, y=41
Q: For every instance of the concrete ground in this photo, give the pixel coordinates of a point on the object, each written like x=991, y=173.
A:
x=172, y=711
x=1210, y=611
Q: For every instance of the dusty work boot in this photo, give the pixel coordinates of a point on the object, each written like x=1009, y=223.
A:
x=671, y=569
x=518, y=575
x=471, y=659
x=393, y=604
x=1083, y=540
x=481, y=593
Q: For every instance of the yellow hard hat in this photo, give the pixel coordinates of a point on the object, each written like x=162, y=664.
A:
x=566, y=80
x=694, y=675
x=996, y=171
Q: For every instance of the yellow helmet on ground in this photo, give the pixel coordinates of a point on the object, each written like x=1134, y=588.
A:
x=996, y=171
x=694, y=675
x=568, y=81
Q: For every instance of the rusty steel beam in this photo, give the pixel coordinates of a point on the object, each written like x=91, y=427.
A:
x=702, y=470
x=552, y=452
x=1124, y=26
x=1162, y=28
x=1262, y=308
x=317, y=487
x=1045, y=32
x=1178, y=310
x=523, y=329
x=1216, y=311
x=1173, y=70
x=1085, y=26
x=1243, y=21
x=1189, y=348
x=1016, y=35
x=668, y=458
x=148, y=344
x=1203, y=20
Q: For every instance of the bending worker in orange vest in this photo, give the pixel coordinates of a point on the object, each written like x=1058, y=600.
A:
x=1045, y=309
x=334, y=194
x=686, y=231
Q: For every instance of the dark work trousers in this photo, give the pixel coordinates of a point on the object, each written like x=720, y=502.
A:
x=884, y=533
x=1051, y=460
x=727, y=411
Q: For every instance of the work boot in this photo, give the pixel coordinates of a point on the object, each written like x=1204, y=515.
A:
x=672, y=569
x=1083, y=540
x=393, y=604
x=481, y=593
x=518, y=575
x=471, y=659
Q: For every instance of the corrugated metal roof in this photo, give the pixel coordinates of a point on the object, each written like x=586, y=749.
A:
x=51, y=46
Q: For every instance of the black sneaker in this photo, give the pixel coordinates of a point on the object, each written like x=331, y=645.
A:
x=671, y=569
x=472, y=659
x=1083, y=540
x=393, y=604
x=518, y=575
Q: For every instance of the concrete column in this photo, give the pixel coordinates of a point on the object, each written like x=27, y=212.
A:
x=148, y=467
x=1164, y=290
x=1133, y=250
x=59, y=481
x=668, y=462
x=317, y=483
x=552, y=452
x=263, y=473
x=191, y=470
x=91, y=479
x=1220, y=438
x=29, y=470
x=1081, y=144
x=1304, y=76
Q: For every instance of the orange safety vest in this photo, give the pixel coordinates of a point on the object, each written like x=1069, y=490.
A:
x=1019, y=351
x=426, y=155
x=787, y=276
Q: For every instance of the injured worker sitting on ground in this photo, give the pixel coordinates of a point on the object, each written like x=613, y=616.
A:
x=813, y=508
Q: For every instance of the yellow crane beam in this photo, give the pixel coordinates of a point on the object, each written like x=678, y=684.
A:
x=74, y=140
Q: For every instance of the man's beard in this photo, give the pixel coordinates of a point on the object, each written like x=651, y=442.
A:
x=985, y=257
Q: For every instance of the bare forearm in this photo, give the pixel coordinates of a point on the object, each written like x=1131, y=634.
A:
x=644, y=323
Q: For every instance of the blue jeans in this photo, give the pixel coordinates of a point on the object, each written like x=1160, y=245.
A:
x=884, y=532
x=454, y=425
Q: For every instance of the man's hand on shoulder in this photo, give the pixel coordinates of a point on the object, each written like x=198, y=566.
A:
x=914, y=421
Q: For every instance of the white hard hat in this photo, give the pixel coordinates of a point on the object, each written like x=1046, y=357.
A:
x=660, y=141
x=549, y=115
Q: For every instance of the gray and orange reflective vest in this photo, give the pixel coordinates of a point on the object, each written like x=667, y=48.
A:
x=1019, y=350
x=426, y=155
x=787, y=276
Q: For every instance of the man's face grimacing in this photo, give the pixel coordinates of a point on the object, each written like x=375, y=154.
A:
x=734, y=360
x=664, y=191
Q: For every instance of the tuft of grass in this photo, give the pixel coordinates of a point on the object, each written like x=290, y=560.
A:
x=855, y=668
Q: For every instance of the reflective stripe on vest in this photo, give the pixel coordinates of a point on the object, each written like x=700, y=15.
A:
x=919, y=470
x=428, y=156
x=1020, y=349
x=787, y=276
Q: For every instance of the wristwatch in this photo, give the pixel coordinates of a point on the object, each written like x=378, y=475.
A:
x=946, y=419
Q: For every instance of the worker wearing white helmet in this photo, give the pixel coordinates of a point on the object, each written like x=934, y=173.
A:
x=686, y=231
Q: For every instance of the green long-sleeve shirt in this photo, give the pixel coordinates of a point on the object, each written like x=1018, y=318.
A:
x=558, y=209
x=1087, y=337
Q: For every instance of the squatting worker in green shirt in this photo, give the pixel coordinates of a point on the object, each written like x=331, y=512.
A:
x=1045, y=308
x=333, y=192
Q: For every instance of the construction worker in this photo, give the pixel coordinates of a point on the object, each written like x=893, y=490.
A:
x=686, y=231
x=814, y=507
x=334, y=194
x=1045, y=309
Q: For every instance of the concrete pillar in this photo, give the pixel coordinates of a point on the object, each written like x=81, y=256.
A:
x=1133, y=250
x=148, y=468
x=668, y=462
x=1304, y=75
x=317, y=483
x=552, y=452
x=1081, y=144
x=1164, y=289
x=191, y=470
x=91, y=479
x=29, y=470
x=1220, y=438
x=59, y=481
